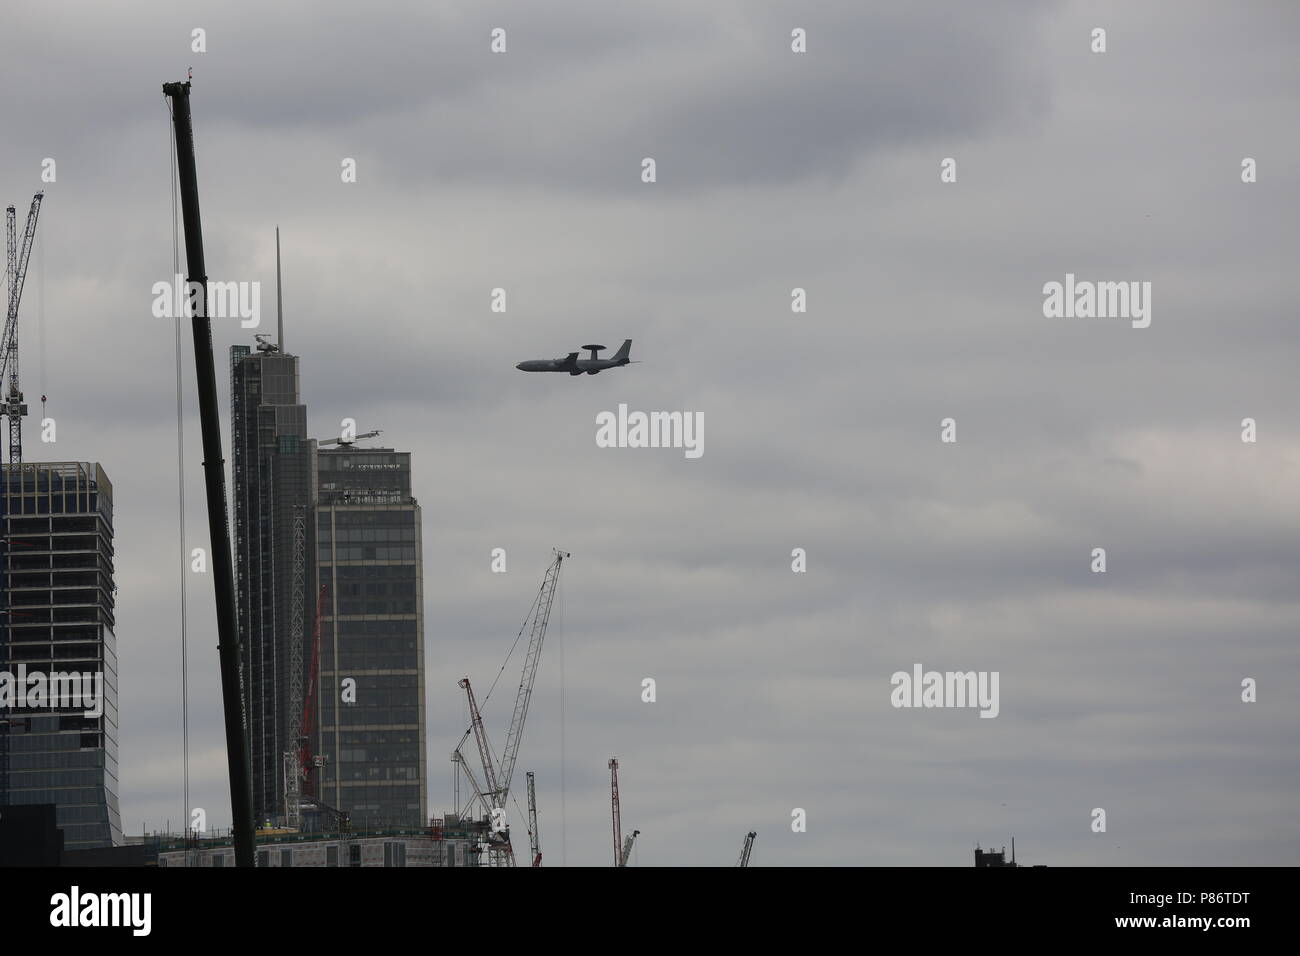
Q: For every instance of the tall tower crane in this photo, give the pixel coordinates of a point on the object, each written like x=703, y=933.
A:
x=498, y=774
x=298, y=762
x=12, y=407
x=16, y=270
x=534, y=838
x=292, y=779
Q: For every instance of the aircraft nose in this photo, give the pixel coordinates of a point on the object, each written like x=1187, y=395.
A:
x=520, y=366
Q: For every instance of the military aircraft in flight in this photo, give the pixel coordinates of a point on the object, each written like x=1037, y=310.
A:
x=576, y=366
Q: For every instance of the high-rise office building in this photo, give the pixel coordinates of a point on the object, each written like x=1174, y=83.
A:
x=371, y=635
x=59, y=744
x=272, y=479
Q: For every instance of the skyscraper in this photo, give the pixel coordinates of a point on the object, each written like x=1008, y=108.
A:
x=272, y=479
x=56, y=632
x=372, y=638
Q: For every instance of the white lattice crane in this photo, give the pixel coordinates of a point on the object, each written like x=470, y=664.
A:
x=497, y=774
x=13, y=407
x=534, y=838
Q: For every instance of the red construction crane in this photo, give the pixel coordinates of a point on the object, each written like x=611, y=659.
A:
x=309, y=702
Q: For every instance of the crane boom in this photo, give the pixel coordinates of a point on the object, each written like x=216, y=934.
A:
x=18, y=255
x=214, y=479
x=614, y=811
x=745, y=850
x=627, y=847
x=500, y=851
x=534, y=838
x=541, y=617
x=480, y=738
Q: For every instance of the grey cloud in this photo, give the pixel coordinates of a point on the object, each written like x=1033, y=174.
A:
x=822, y=429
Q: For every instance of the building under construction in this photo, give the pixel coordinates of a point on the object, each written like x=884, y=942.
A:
x=368, y=562
x=57, y=618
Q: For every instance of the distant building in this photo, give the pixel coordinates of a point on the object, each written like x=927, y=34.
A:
x=999, y=857
x=369, y=560
x=992, y=857
x=445, y=843
x=56, y=618
x=272, y=478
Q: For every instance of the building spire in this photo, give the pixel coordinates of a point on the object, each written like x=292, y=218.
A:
x=279, y=298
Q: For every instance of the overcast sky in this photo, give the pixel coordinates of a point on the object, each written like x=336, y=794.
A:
x=775, y=170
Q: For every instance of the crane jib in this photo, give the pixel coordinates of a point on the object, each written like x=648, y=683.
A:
x=18, y=253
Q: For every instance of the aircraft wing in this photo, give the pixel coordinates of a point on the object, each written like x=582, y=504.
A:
x=571, y=361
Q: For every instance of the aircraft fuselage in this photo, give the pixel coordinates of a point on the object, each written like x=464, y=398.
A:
x=576, y=366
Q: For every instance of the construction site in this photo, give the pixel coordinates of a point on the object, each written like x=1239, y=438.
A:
x=476, y=832
x=321, y=578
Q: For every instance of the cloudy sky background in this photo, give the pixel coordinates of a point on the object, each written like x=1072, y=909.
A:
x=775, y=170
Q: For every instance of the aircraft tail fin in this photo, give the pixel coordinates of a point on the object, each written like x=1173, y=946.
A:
x=624, y=350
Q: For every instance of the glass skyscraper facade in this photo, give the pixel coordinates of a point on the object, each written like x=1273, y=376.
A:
x=372, y=638
x=56, y=618
x=272, y=491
